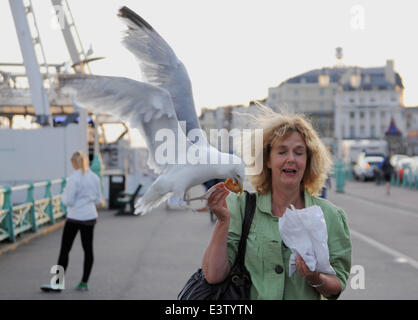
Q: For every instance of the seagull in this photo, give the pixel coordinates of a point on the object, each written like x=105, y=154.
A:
x=162, y=104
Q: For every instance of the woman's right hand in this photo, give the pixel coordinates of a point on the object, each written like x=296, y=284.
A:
x=217, y=202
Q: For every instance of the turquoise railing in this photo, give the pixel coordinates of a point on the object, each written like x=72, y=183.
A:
x=409, y=178
x=32, y=214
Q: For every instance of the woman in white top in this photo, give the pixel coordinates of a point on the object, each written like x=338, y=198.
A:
x=80, y=195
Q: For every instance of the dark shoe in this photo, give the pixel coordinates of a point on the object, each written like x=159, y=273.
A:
x=82, y=287
x=55, y=288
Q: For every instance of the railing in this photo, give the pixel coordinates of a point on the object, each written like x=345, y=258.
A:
x=32, y=214
x=409, y=178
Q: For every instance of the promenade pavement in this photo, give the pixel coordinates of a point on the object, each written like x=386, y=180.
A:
x=399, y=197
x=384, y=236
x=152, y=256
x=135, y=257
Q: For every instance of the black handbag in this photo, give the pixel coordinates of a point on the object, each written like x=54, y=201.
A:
x=237, y=284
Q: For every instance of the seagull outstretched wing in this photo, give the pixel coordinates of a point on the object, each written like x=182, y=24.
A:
x=153, y=106
x=159, y=65
x=143, y=106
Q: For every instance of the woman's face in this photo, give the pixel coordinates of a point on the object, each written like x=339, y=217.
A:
x=287, y=161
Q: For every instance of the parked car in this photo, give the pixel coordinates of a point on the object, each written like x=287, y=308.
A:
x=367, y=166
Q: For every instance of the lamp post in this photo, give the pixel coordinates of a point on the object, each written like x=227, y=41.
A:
x=339, y=166
x=340, y=174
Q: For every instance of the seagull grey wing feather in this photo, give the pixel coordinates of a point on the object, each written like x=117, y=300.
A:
x=143, y=106
x=160, y=66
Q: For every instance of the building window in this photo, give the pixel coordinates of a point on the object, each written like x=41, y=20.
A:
x=352, y=115
x=321, y=92
x=352, y=132
x=373, y=131
x=372, y=114
x=296, y=92
x=361, y=114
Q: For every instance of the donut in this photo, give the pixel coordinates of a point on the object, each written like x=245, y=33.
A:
x=233, y=186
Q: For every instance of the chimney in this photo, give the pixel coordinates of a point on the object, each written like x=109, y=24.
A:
x=390, y=71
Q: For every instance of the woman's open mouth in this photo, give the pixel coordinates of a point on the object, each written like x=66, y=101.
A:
x=289, y=172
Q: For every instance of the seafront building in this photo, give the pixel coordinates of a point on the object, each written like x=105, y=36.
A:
x=343, y=102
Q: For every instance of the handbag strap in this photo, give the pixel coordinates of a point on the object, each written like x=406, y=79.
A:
x=250, y=202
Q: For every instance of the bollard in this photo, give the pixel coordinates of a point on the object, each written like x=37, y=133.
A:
x=48, y=195
x=63, y=206
x=96, y=167
x=7, y=205
x=392, y=179
x=339, y=176
x=32, y=214
x=410, y=179
x=416, y=181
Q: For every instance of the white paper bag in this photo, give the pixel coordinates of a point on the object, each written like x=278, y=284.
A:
x=305, y=233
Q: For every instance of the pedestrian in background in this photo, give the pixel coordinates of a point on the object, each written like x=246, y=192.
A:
x=81, y=195
x=387, y=169
x=295, y=166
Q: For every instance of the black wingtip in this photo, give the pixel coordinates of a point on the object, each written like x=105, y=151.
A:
x=125, y=12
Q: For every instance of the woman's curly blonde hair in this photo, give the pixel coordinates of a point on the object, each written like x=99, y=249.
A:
x=279, y=125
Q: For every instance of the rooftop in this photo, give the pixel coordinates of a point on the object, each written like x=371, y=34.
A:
x=371, y=78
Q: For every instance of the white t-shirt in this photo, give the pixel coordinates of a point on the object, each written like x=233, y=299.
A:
x=80, y=195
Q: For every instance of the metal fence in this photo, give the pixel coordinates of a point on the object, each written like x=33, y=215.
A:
x=32, y=214
x=408, y=179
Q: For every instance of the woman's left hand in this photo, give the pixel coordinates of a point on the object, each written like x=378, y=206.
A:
x=303, y=270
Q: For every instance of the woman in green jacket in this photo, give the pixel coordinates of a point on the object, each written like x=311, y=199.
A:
x=295, y=166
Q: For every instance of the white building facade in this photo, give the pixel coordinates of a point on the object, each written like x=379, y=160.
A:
x=345, y=102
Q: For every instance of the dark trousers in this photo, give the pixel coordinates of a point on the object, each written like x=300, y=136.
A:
x=68, y=236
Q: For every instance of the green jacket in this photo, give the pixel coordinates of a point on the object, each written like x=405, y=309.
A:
x=267, y=258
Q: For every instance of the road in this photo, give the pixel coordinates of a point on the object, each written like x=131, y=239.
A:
x=152, y=256
x=384, y=238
